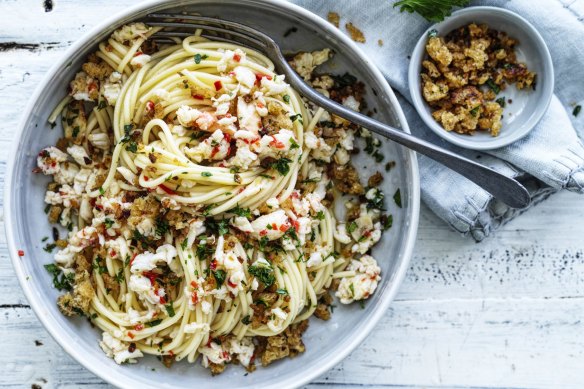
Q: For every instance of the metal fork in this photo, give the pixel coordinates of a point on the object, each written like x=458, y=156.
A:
x=506, y=189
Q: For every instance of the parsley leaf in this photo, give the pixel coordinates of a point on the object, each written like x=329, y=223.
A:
x=170, y=309
x=352, y=226
x=264, y=274
x=431, y=10
x=219, y=276
x=154, y=323
x=60, y=280
x=397, y=198
x=245, y=212
x=494, y=87
x=282, y=165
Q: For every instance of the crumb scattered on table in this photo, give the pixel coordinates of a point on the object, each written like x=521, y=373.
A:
x=380, y=42
x=334, y=18
x=356, y=34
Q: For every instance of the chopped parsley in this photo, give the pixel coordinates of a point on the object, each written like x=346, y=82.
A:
x=320, y=215
x=98, y=265
x=351, y=227
x=183, y=244
x=377, y=201
x=199, y=57
x=246, y=320
x=388, y=222
x=120, y=277
x=475, y=110
x=207, y=209
x=576, y=110
x=206, y=174
x=501, y=101
x=369, y=147
x=220, y=227
x=169, y=309
x=494, y=87
x=154, y=323
x=162, y=226
x=397, y=198
x=219, y=276
x=282, y=292
x=264, y=274
x=108, y=223
x=378, y=156
x=49, y=247
x=286, y=98
x=61, y=281
x=282, y=165
x=245, y=212
x=132, y=147
x=297, y=117
x=204, y=251
x=293, y=144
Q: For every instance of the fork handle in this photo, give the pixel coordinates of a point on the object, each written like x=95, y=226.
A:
x=504, y=188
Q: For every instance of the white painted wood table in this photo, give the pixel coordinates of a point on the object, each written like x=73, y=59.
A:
x=507, y=312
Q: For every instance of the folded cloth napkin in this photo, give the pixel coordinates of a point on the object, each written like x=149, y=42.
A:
x=550, y=158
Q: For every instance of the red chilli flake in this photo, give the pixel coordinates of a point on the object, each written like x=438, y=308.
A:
x=21, y=253
x=236, y=57
x=150, y=275
x=284, y=227
x=131, y=335
x=199, y=97
x=167, y=189
x=150, y=106
x=213, y=264
x=218, y=85
x=231, y=284
x=263, y=232
x=162, y=300
x=138, y=327
x=138, y=53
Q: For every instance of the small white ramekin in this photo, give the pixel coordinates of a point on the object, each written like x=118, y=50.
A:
x=527, y=107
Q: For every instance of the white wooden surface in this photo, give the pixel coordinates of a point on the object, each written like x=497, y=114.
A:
x=504, y=313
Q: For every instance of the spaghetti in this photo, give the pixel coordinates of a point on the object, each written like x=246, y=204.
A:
x=198, y=189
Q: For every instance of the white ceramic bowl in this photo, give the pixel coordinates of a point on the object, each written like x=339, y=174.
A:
x=327, y=343
x=528, y=106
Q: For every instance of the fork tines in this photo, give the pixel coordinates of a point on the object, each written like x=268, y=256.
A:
x=180, y=25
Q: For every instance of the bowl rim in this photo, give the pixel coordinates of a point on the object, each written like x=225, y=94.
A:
x=468, y=141
x=59, y=335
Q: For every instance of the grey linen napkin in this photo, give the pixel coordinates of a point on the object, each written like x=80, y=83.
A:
x=550, y=158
